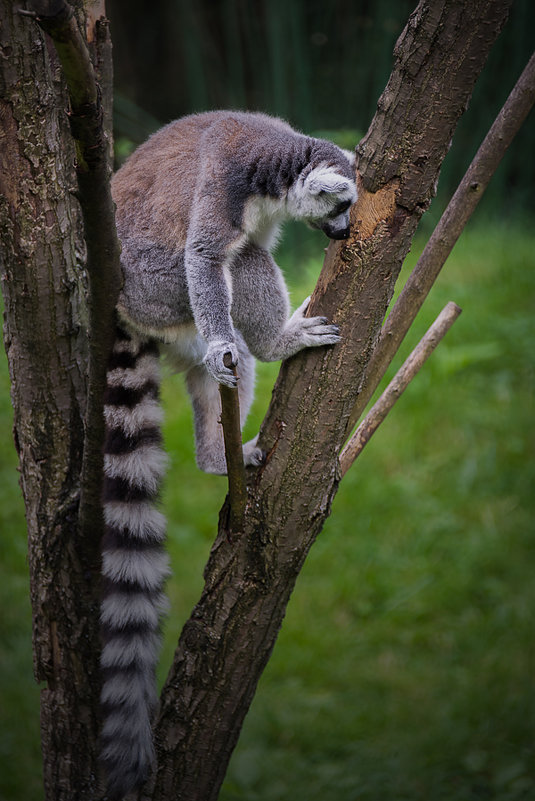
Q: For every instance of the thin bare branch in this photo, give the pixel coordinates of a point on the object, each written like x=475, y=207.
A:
x=230, y=420
x=446, y=234
x=399, y=383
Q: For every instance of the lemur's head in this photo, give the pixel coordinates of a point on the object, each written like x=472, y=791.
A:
x=322, y=196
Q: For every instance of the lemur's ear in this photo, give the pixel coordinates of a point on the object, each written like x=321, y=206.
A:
x=326, y=179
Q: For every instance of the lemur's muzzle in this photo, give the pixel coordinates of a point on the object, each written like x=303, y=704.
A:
x=342, y=233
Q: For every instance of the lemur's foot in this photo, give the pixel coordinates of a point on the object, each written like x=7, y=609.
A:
x=253, y=456
x=213, y=461
x=314, y=331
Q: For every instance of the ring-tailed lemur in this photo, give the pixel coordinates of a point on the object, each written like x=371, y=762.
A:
x=198, y=210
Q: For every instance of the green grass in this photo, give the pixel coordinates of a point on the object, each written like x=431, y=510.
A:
x=404, y=669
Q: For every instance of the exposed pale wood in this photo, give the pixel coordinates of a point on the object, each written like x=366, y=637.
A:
x=232, y=630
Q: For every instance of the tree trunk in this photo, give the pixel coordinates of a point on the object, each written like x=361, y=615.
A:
x=46, y=338
x=229, y=637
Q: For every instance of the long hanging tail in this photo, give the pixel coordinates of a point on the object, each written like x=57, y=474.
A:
x=134, y=563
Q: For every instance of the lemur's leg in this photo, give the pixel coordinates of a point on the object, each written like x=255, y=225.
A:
x=206, y=402
x=260, y=309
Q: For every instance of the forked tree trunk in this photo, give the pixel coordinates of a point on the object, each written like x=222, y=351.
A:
x=229, y=637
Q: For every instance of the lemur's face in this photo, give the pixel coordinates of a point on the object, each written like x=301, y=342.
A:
x=336, y=222
x=323, y=199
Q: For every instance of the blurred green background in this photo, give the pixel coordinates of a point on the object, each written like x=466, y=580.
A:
x=404, y=669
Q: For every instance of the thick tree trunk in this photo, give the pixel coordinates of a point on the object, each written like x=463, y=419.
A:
x=46, y=337
x=229, y=637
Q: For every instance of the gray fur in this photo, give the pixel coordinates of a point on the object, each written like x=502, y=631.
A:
x=142, y=520
x=146, y=369
x=143, y=467
x=145, y=569
x=127, y=650
x=185, y=219
x=126, y=608
x=199, y=208
x=147, y=413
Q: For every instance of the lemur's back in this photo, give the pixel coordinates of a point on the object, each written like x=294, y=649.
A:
x=255, y=152
x=155, y=186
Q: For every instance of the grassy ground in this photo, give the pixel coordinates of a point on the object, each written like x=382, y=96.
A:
x=404, y=670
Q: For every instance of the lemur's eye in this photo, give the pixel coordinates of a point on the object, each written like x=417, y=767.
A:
x=342, y=206
x=339, y=209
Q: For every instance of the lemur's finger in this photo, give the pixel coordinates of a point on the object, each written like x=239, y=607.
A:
x=324, y=331
x=228, y=379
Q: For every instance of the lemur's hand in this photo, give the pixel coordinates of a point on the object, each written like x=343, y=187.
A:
x=220, y=365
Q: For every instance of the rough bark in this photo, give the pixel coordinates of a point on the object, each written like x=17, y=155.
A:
x=93, y=171
x=231, y=632
x=44, y=285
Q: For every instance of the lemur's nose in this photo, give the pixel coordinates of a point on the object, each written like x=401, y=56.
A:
x=343, y=234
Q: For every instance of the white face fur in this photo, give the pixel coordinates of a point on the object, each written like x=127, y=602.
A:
x=323, y=198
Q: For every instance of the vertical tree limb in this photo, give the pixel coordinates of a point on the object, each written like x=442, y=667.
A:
x=230, y=420
x=57, y=416
x=93, y=171
x=446, y=234
x=398, y=385
x=103, y=265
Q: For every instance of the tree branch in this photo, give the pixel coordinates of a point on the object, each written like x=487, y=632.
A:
x=446, y=234
x=398, y=385
x=230, y=420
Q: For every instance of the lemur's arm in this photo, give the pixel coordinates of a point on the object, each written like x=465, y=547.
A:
x=208, y=250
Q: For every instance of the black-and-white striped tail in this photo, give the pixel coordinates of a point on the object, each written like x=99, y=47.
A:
x=134, y=563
